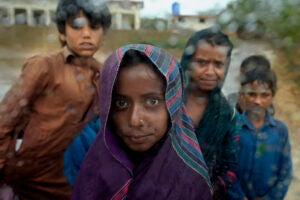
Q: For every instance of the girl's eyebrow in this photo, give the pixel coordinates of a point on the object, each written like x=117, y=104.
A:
x=199, y=59
x=118, y=95
x=154, y=93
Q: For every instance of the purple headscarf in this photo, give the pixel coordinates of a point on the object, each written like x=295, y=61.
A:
x=177, y=169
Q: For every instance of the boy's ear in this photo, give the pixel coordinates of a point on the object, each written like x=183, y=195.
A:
x=62, y=37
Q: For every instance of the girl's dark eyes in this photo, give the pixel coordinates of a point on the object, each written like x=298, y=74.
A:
x=152, y=101
x=155, y=101
x=219, y=64
x=121, y=103
x=147, y=102
x=204, y=63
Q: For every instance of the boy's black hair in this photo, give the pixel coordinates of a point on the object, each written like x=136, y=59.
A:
x=267, y=76
x=255, y=62
x=96, y=11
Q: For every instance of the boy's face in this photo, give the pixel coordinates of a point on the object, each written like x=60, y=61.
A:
x=256, y=93
x=208, y=66
x=81, y=38
x=139, y=113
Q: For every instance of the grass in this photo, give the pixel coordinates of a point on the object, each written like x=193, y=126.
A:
x=29, y=38
x=41, y=38
x=172, y=42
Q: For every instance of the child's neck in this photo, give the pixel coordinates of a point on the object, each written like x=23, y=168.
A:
x=199, y=96
x=196, y=104
x=258, y=123
x=257, y=118
x=82, y=61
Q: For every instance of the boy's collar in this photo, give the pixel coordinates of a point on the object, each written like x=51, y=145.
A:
x=67, y=53
x=70, y=57
x=269, y=121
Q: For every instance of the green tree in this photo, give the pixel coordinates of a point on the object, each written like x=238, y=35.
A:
x=275, y=21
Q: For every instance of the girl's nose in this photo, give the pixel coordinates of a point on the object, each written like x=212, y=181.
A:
x=210, y=68
x=136, y=119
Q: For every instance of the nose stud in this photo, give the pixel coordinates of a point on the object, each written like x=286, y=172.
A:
x=141, y=121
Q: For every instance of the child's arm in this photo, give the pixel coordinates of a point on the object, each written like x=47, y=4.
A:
x=18, y=101
x=235, y=192
x=78, y=149
x=280, y=188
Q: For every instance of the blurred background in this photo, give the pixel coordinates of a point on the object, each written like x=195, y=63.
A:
x=268, y=27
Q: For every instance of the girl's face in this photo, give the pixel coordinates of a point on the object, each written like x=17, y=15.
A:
x=208, y=66
x=81, y=38
x=139, y=113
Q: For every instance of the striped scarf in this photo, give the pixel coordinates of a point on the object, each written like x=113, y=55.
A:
x=180, y=152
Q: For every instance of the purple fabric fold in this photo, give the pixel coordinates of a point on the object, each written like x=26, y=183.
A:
x=175, y=169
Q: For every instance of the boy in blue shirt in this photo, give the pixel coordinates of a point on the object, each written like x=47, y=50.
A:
x=265, y=162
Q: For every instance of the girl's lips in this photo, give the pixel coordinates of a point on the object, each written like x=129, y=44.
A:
x=138, y=139
x=205, y=79
x=209, y=81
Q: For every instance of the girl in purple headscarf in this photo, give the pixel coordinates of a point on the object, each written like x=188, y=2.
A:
x=146, y=148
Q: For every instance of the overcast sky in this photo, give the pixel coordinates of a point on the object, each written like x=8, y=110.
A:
x=161, y=8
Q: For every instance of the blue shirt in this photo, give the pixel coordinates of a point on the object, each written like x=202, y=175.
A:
x=265, y=163
x=76, y=152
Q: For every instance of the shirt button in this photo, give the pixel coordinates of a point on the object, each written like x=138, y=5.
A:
x=20, y=163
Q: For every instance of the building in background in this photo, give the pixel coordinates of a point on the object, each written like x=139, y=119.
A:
x=125, y=14
x=193, y=22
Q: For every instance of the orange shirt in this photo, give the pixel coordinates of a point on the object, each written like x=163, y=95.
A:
x=49, y=104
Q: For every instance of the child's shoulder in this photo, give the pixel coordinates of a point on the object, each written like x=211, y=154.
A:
x=42, y=60
x=43, y=56
x=281, y=125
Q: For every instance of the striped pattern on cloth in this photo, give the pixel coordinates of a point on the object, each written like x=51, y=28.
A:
x=184, y=140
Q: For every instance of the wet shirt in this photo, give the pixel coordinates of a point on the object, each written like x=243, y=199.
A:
x=46, y=108
x=265, y=165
